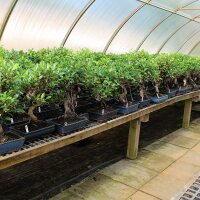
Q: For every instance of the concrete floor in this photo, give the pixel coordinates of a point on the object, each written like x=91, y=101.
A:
x=161, y=170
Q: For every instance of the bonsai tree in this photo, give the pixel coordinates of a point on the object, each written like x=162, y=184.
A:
x=149, y=72
x=37, y=84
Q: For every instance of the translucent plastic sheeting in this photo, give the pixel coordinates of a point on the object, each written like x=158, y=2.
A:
x=192, y=13
x=171, y=4
x=162, y=32
x=97, y=25
x=136, y=29
x=181, y=36
x=196, y=50
x=37, y=24
x=187, y=47
x=4, y=8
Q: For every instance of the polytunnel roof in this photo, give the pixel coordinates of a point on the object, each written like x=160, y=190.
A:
x=102, y=25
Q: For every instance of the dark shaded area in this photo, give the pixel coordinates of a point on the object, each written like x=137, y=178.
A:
x=46, y=175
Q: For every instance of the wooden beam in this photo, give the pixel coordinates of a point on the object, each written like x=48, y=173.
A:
x=133, y=138
x=188, y=9
x=32, y=152
x=144, y=118
x=187, y=113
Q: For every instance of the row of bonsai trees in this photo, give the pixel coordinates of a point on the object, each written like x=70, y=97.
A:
x=35, y=78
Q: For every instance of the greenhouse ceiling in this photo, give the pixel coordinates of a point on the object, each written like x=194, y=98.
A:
x=102, y=25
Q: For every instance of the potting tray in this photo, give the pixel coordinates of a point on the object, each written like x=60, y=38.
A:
x=126, y=110
x=36, y=129
x=97, y=115
x=14, y=144
x=48, y=113
x=65, y=126
x=159, y=100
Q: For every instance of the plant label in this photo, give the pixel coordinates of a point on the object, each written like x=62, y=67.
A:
x=11, y=121
x=39, y=109
x=65, y=124
x=26, y=128
x=103, y=112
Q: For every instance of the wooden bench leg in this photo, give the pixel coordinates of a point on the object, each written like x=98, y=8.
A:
x=187, y=113
x=133, y=138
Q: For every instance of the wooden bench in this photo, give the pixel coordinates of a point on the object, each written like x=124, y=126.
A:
x=135, y=119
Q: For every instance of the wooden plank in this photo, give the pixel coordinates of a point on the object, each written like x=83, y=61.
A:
x=144, y=118
x=17, y=157
x=133, y=138
x=187, y=113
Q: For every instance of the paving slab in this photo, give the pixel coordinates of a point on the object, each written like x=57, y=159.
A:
x=100, y=187
x=181, y=170
x=154, y=161
x=163, y=186
x=142, y=196
x=180, y=140
x=192, y=157
x=129, y=173
x=166, y=149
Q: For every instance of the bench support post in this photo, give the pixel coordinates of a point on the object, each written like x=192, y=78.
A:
x=187, y=113
x=133, y=138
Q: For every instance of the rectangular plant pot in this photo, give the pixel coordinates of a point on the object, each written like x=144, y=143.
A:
x=144, y=103
x=159, y=100
x=127, y=110
x=12, y=145
x=36, y=129
x=183, y=91
x=196, y=87
x=48, y=112
x=172, y=93
x=97, y=115
x=63, y=128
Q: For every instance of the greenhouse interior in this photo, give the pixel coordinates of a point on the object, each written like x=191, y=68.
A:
x=100, y=99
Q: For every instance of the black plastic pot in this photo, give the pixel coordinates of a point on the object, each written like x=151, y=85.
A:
x=183, y=91
x=161, y=99
x=36, y=129
x=127, y=110
x=14, y=144
x=63, y=126
x=144, y=103
x=98, y=115
x=48, y=112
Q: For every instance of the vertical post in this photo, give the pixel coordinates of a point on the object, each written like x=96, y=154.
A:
x=133, y=138
x=187, y=113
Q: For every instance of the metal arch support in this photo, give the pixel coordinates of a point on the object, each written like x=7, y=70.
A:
x=151, y=31
x=157, y=25
x=193, y=35
x=76, y=21
x=197, y=44
x=8, y=14
x=122, y=25
x=165, y=42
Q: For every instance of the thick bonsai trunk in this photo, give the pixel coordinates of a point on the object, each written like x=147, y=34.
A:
x=3, y=138
x=123, y=96
x=31, y=114
x=69, y=105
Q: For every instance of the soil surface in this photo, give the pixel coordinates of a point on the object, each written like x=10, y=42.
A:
x=46, y=175
x=32, y=126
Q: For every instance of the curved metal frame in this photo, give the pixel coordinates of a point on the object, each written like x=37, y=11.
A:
x=193, y=35
x=11, y=8
x=193, y=47
x=122, y=25
x=151, y=31
x=165, y=42
x=76, y=21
